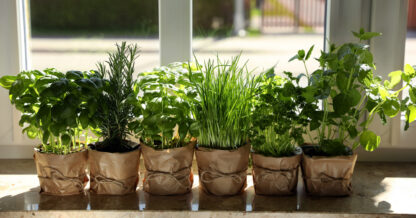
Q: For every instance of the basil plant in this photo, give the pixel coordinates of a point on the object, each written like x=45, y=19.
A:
x=166, y=95
x=351, y=96
x=56, y=108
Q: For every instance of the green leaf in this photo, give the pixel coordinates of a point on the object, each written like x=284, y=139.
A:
x=412, y=94
x=383, y=93
x=31, y=131
x=391, y=108
x=412, y=113
x=409, y=70
x=17, y=89
x=294, y=58
x=369, y=140
x=369, y=35
x=75, y=75
x=301, y=54
x=84, y=119
x=45, y=137
x=66, y=139
x=308, y=55
x=353, y=132
x=395, y=78
x=56, y=89
x=344, y=101
x=7, y=81
x=314, y=124
x=342, y=81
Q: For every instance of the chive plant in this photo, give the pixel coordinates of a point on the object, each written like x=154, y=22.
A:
x=224, y=104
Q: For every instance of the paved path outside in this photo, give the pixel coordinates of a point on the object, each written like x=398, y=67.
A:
x=261, y=52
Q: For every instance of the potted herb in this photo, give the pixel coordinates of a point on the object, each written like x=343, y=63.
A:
x=348, y=90
x=277, y=127
x=222, y=110
x=114, y=161
x=55, y=110
x=167, y=129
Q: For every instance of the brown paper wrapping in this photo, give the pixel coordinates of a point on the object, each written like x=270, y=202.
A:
x=168, y=171
x=113, y=173
x=328, y=176
x=61, y=174
x=275, y=176
x=223, y=172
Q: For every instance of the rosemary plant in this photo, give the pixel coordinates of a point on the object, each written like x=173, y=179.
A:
x=118, y=100
x=223, y=107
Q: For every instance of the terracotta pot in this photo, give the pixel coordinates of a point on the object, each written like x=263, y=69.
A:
x=61, y=174
x=275, y=175
x=223, y=172
x=113, y=173
x=328, y=176
x=168, y=171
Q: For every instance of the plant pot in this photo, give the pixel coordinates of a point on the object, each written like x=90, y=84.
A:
x=328, y=176
x=223, y=172
x=61, y=174
x=113, y=173
x=275, y=175
x=168, y=171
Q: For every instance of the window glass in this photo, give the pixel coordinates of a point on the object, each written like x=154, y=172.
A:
x=267, y=32
x=76, y=34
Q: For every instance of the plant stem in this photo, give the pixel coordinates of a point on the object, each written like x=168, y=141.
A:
x=306, y=70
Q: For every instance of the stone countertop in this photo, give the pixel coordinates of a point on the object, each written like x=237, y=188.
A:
x=380, y=190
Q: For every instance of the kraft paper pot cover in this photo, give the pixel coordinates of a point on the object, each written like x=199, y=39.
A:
x=275, y=175
x=61, y=174
x=223, y=172
x=113, y=173
x=168, y=171
x=328, y=176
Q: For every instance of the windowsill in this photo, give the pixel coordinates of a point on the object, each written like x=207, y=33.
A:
x=379, y=189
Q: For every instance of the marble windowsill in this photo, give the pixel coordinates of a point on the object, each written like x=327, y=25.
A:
x=380, y=190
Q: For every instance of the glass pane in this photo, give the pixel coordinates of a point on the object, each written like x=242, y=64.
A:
x=76, y=34
x=271, y=32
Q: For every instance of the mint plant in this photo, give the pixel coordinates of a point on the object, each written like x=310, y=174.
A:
x=56, y=108
x=165, y=100
x=348, y=89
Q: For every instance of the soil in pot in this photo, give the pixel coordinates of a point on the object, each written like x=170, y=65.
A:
x=61, y=174
x=276, y=175
x=223, y=172
x=327, y=175
x=168, y=171
x=114, y=173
